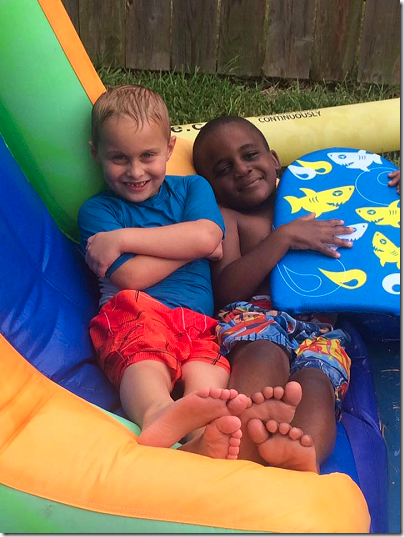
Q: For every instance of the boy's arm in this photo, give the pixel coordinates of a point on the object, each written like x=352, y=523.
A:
x=238, y=276
x=186, y=240
x=198, y=235
x=143, y=271
x=139, y=272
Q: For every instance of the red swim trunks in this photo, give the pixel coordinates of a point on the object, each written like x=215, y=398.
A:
x=132, y=327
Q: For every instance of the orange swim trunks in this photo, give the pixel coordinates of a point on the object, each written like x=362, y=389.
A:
x=132, y=327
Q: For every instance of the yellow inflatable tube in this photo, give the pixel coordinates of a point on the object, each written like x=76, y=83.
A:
x=373, y=126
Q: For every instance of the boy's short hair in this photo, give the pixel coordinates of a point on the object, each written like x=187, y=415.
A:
x=135, y=102
x=212, y=126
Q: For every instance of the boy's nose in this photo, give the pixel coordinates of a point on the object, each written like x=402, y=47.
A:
x=135, y=170
x=241, y=169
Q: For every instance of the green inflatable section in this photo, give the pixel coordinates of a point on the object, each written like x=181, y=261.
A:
x=30, y=514
x=45, y=113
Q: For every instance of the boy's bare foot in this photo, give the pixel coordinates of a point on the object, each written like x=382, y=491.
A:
x=283, y=446
x=220, y=439
x=168, y=425
x=277, y=403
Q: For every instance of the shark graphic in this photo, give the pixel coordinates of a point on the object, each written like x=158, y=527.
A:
x=385, y=249
x=309, y=170
x=320, y=202
x=382, y=216
x=359, y=230
x=360, y=160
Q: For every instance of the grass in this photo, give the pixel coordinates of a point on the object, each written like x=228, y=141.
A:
x=196, y=97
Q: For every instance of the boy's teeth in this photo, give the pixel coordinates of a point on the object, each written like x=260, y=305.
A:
x=138, y=184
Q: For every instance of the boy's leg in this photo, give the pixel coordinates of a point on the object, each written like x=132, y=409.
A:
x=256, y=367
x=145, y=391
x=145, y=395
x=314, y=424
x=221, y=437
x=322, y=369
x=315, y=415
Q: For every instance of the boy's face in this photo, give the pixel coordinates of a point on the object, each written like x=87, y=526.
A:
x=133, y=158
x=240, y=169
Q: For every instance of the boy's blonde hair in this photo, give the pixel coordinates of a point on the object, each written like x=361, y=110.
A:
x=135, y=102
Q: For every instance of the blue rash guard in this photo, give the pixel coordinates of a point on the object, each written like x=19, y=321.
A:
x=180, y=199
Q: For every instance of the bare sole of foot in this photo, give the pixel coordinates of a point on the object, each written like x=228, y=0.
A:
x=220, y=439
x=277, y=403
x=283, y=446
x=191, y=412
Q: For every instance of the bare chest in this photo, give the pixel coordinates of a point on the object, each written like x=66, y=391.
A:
x=253, y=228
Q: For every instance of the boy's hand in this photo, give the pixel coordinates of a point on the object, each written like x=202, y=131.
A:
x=395, y=180
x=307, y=233
x=102, y=250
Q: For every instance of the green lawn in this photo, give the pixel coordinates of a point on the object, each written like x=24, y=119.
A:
x=201, y=97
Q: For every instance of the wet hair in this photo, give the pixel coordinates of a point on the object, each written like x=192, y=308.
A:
x=132, y=101
x=214, y=125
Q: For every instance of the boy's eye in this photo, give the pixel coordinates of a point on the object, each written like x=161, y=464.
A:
x=223, y=171
x=118, y=158
x=147, y=155
x=251, y=155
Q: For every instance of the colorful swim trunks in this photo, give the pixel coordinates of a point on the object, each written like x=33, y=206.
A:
x=132, y=327
x=308, y=343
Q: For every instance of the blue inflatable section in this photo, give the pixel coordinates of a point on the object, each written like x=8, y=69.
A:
x=48, y=297
x=351, y=185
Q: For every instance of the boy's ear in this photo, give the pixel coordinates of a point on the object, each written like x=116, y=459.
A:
x=171, y=145
x=94, y=151
x=276, y=160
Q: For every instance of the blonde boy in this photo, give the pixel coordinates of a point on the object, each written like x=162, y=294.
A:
x=155, y=235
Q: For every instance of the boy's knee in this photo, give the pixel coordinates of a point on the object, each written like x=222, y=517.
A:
x=314, y=380
x=261, y=352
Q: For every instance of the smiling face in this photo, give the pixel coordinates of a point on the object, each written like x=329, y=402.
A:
x=239, y=166
x=133, y=157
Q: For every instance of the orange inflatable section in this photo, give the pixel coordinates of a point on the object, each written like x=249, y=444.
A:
x=57, y=446
x=73, y=48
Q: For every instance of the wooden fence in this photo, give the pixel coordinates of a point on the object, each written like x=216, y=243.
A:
x=305, y=39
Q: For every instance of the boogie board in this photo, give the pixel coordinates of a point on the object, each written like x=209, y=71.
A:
x=352, y=185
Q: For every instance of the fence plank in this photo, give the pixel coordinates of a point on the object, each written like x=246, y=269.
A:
x=380, y=51
x=289, y=41
x=102, y=31
x=194, y=28
x=336, y=38
x=148, y=35
x=137, y=34
x=72, y=8
x=241, y=47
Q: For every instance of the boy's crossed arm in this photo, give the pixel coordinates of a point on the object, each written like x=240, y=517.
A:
x=160, y=251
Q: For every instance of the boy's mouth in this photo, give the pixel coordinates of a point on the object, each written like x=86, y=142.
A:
x=251, y=184
x=137, y=186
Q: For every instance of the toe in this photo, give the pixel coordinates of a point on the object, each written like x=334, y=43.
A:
x=268, y=392
x=257, y=431
x=272, y=426
x=258, y=397
x=306, y=440
x=279, y=392
x=284, y=428
x=293, y=393
x=295, y=433
x=228, y=424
